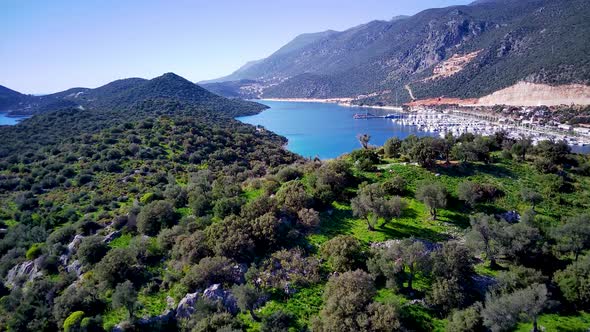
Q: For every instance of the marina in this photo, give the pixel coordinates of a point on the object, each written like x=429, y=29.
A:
x=458, y=123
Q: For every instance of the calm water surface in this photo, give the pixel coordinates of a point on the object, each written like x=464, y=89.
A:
x=328, y=130
x=325, y=130
x=5, y=120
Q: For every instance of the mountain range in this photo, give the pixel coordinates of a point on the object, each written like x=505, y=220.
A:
x=460, y=51
x=124, y=93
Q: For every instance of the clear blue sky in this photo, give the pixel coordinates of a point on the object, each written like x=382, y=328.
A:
x=49, y=46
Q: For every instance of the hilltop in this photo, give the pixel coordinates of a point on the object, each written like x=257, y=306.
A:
x=122, y=93
x=488, y=45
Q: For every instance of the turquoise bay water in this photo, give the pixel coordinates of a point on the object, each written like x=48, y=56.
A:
x=5, y=120
x=328, y=130
x=325, y=130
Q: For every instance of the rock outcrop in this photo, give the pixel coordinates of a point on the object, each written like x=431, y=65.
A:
x=216, y=293
x=430, y=246
x=24, y=272
x=186, y=306
x=71, y=249
x=111, y=236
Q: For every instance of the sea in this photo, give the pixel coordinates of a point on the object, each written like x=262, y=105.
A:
x=9, y=120
x=328, y=130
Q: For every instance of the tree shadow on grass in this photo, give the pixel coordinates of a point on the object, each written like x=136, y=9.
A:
x=469, y=169
x=337, y=222
x=397, y=230
x=458, y=219
x=490, y=209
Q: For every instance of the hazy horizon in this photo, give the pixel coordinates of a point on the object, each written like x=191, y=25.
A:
x=62, y=44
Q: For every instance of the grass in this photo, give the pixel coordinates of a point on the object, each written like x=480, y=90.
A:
x=251, y=194
x=555, y=322
x=113, y=317
x=122, y=241
x=152, y=304
x=303, y=305
x=509, y=176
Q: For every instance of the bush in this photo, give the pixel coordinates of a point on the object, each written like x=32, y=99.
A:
x=116, y=266
x=365, y=159
x=35, y=251
x=395, y=185
x=278, y=321
x=467, y=320
x=91, y=250
x=155, y=216
x=73, y=322
x=288, y=173
x=210, y=270
x=343, y=253
x=346, y=299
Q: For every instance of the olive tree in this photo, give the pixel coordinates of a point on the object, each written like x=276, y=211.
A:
x=371, y=204
x=125, y=296
x=392, y=147
x=434, y=196
x=531, y=196
x=485, y=236
x=573, y=235
x=574, y=282
x=503, y=311
x=400, y=262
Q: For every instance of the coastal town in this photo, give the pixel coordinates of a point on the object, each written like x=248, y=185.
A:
x=536, y=123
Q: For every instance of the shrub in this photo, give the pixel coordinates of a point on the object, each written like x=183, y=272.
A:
x=73, y=322
x=210, y=270
x=91, y=250
x=116, y=266
x=343, y=253
x=155, y=216
x=35, y=251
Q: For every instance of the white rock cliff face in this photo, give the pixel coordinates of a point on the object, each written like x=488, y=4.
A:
x=532, y=94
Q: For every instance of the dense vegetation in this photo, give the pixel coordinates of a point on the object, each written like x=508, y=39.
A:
x=170, y=215
x=541, y=41
x=120, y=94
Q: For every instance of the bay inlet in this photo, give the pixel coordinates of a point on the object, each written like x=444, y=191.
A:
x=326, y=130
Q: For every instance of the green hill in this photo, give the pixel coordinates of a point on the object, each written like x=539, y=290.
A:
x=127, y=92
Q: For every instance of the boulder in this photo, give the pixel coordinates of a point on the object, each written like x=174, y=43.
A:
x=510, y=216
x=73, y=246
x=170, y=303
x=215, y=293
x=156, y=323
x=111, y=236
x=483, y=283
x=75, y=267
x=239, y=273
x=71, y=249
x=186, y=306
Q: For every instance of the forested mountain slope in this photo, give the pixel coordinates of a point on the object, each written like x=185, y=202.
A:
x=541, y=41
x=123, y=93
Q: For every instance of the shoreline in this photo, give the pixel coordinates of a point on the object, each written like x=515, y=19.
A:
x=346, y=102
